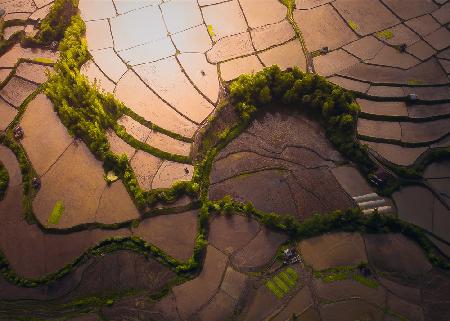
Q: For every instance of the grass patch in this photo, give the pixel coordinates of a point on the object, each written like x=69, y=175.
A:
x=287, y=279
x=385, y=34
x=353, y=25
x=414, y=82
x=46, y=61
x=56, y=214
x=345, y=273
x=4, y=181
x=279, y=282
x=292, y=274
x=334, y=274
x=371, y=283
x=283, y=282
x=275, y=290
x=54, y=25
x=210, y=31
x=290, y=4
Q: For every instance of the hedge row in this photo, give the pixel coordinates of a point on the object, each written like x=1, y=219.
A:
x=106, y=246
x=351, y=220
x=26, y=170
x=53, y=26
x=4, y=181
x=88, y=113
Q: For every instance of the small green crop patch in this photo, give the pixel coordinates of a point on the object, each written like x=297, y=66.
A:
x=290, y=4
x=345, y=273
x=371, y=283
x=47, y=61
x=4, y=181
x=414, y=82
x=211, y=31
x=292, y=274
x=287, y=279
x=283, y=282
x=56, y=214
x=385, y=34
x=334, y=274
x=275, y=290
x=353, y=25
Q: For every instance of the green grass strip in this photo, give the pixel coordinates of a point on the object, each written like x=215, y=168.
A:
x=385, y=34
x=371, y=283
x=130, y=140
x=279, y=282
x=353, y=25
x=210, y=30
x=4, y=181
x=338, y=276
x=292, y=273
x=287, y=279
x=56, y=214
x=274, y=289
x=141, y=120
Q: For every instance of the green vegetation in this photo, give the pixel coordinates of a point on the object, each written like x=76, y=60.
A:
x=110, y=177
x=385, y=34
x=57, y=212
x=289, y=276
x=87, y=114
x=333, y=107
x=369, y=282
x=334, y=274
x=26, y=170
x=275, y=290
x=345, y=273
x=283, y=282
x=141, y=120
x=210, y=30
x=351, y=220
x=6, y=45
x=290, y=4
x=130, y=140
x=414, y=82
x=353, y=25
x=53, y=26
x=109, y=245
x=4, y=181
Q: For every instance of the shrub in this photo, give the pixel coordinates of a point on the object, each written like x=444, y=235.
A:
x=53, y=26
x=4, y=181
x=331, y=105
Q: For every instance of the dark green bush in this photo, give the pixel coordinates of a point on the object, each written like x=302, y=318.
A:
x=331, y=105
x=53, y=26
x=4, y=181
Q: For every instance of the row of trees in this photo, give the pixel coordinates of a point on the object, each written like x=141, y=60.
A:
x=4, y=180
x=331, y=105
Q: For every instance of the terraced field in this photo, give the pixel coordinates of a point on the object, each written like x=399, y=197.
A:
x=142, y=185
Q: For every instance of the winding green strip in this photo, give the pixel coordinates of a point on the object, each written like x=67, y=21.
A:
x=351, y=220
x=26, y=168
x=106, y=246
x=54, y=25
x=290, y=5
x=4, y=181
x=141, y=120
x=137, y=144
